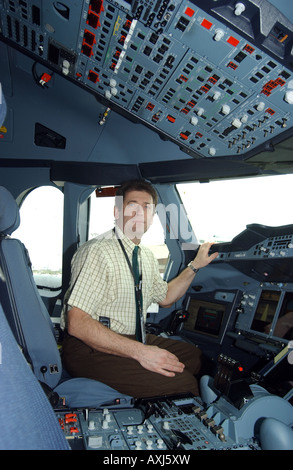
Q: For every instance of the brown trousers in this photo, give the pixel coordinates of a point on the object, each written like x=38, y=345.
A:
x=127, y=375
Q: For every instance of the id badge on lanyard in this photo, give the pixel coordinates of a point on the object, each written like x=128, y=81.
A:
x=138, y=295
x=138, y=292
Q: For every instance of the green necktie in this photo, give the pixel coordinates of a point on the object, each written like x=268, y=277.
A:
x=138, y=298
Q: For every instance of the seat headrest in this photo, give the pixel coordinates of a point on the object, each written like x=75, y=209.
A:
x=9, y=212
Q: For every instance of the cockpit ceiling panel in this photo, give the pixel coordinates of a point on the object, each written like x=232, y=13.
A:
x=212, y=76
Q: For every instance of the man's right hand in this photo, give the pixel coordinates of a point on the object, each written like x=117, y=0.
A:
x=94, y=334
x=160, y=361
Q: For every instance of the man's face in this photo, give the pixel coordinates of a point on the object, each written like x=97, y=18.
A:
x=137, y=216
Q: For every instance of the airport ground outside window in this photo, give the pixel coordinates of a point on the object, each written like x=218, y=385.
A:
x=220, y=210
x=41, y=231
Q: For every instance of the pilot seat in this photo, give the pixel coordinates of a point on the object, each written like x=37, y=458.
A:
x=31, y=324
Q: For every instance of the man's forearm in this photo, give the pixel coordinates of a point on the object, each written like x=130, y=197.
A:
x=99, y=337
x=178, y=287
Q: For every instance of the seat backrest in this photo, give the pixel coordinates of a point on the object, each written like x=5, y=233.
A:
x=31, y=324
x=25, y=311
x=27, y=419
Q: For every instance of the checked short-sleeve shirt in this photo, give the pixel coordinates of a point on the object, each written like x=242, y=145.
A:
x=102, y=283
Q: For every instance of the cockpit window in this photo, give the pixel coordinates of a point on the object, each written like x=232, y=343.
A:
x=220, y=210
x=101, y=219
x=41, y=231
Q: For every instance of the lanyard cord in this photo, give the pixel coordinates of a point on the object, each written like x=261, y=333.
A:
x=137, y=286
x=139, y=330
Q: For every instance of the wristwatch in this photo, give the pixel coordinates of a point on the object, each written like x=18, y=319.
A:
x=190, y=265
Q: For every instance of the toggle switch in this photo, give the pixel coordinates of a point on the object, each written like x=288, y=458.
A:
x=194, y=120
x=216, y=95
x=239, y=9
x=289, y=96
x=236, y=123
x=226, y=109
x=219, y=34
x=260, y=106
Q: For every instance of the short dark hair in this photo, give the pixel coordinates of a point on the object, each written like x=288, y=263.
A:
x=137, y=185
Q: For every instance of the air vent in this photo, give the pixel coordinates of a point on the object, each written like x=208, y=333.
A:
x=45, y=137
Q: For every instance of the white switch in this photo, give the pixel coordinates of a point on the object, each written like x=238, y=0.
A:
x=239, y=8
x=194, y=120
x=219, y=34
x=149, y=444
x=160, y=443
x=260, y=106
x=95, y=442
x=236, y=123
x=289, y=96
x=216, y=96
x=91, y=425
x=226, y=109
x=140, y=429
x=105, y=424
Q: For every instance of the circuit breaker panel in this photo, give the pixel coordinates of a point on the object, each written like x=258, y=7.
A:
x=212, y=76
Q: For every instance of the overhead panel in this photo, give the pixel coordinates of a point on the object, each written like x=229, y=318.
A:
x=212, y=76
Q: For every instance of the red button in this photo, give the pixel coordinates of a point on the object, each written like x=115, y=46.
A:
x=206, y=24
x=189, y=12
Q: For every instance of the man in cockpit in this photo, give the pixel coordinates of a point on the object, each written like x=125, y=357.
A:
x=105, y=307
